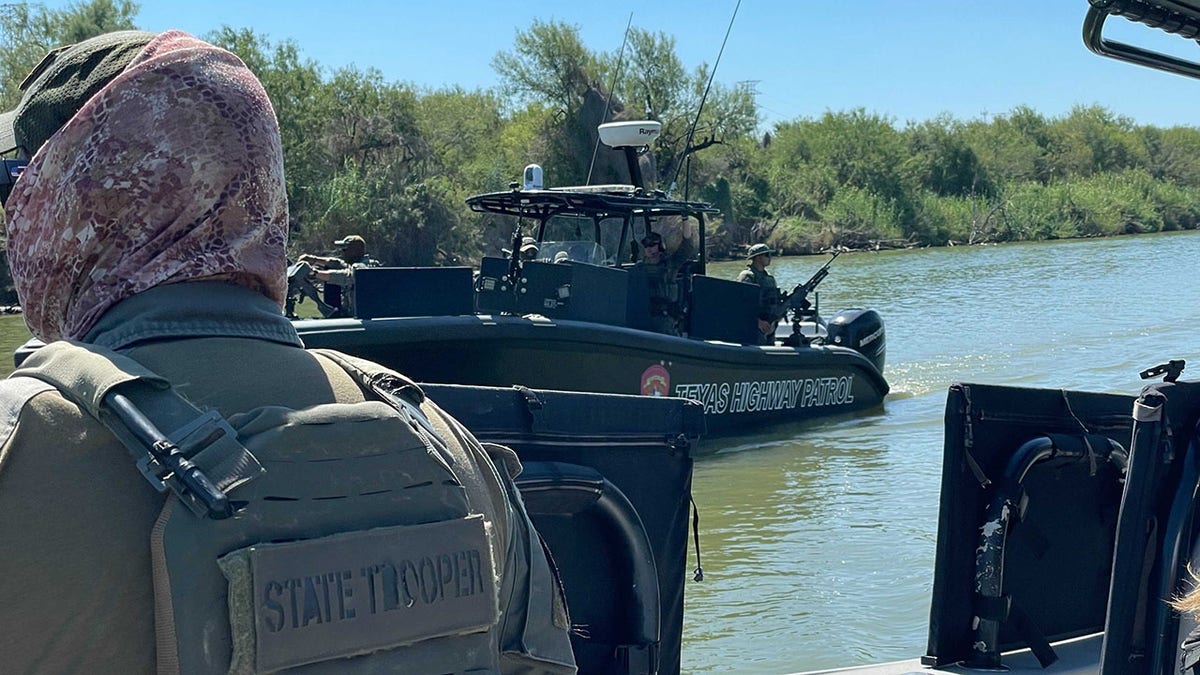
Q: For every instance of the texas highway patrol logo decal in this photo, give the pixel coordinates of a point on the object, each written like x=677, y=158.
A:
x=656, y=381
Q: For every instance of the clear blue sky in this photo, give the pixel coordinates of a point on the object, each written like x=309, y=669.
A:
x=908, y=59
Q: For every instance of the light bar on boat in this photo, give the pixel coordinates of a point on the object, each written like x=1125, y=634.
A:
x=533, y=177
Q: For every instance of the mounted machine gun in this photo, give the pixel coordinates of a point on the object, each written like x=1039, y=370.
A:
x=797, y=300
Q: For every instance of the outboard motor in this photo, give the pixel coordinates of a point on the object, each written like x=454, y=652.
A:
x=860, y=330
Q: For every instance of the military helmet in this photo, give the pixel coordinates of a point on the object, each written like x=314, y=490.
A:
x=652, y=239
x=57, y=87
x=528, y=244
x=62, y=82
x=757, y=250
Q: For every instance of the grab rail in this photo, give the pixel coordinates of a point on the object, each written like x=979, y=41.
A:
x=1006, y=508
x=1172, y=16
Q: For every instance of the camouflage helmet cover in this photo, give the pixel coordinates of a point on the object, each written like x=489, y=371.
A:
x=759, y=249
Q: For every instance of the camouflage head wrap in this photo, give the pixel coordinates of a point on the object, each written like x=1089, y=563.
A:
x=172, y=172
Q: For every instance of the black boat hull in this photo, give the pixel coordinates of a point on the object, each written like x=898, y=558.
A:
x=742, y=387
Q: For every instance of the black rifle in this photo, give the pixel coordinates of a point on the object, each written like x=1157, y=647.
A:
x=798, y=298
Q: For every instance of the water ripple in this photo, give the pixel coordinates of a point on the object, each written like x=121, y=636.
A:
x=818, y=541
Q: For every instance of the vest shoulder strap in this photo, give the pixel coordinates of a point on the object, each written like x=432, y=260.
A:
x=14, y=394
x=176, y=446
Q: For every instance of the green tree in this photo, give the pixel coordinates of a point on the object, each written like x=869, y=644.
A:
x=1172, y=154
x=656, y=85
x=1011, y=147
x=942, y=161
x=844, y=149
x=549, y=63
x=462, y=132
x=654, y=80
x=1091, y=139
x=550, y=69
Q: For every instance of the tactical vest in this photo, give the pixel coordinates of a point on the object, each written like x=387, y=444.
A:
x=769, y=295
x=340, y=538
x=663, y=288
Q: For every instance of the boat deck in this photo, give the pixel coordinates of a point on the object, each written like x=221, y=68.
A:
x=1078, y=656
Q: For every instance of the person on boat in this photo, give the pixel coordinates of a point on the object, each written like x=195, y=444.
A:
x=117, y=241
x=337, y=272
x=529, y=248
x=352, y=250
x=663, y=288
x=758, y=259
x=1188, y=605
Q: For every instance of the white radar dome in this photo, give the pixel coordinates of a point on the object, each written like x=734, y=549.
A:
x=629, y=134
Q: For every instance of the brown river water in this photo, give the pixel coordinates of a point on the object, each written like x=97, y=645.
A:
x=817, y=541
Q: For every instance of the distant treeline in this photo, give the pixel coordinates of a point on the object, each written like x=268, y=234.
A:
x=394, y=162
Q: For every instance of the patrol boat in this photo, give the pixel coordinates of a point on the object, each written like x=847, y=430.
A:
x=1068, y=520
x=579, y=317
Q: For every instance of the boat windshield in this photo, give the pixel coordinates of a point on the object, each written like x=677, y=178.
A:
x=575, y=251
x=583, y=238
x=598, y=239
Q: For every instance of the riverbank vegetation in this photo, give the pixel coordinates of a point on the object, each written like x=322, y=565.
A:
x=394, y=162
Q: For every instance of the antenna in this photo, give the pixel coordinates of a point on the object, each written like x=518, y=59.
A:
x=608, y=102
x=692, y=131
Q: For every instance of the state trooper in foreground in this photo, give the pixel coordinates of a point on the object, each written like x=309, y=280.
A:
x=331, y=521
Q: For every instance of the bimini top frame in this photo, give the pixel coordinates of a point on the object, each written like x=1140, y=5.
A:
x=596, y=202
x=1179, y=17
x=616, y=201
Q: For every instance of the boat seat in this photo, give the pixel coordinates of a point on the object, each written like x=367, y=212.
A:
x=492, y=291
x=1056, y=561
x=639, y=444
x=412, y=291
x=617, y=598
x=724, y=310
x=544, y=288
x=598, y=294
x=637, y=299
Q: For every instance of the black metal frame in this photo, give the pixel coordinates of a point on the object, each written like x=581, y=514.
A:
x=597, y=203
x=1179, y=17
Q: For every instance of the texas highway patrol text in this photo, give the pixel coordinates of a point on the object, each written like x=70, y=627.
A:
x=767, y=395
